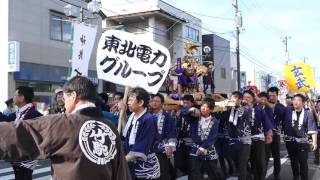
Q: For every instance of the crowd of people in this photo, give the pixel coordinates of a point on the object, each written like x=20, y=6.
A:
x=236, y=142
x=82, y=142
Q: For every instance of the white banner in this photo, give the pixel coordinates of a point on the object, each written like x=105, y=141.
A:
x=83, y=42
x=126, y=59
x=13, y=56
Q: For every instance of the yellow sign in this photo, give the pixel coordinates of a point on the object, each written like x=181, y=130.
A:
x=299, y=77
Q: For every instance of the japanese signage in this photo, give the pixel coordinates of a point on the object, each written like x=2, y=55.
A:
x=243, y=78
x=254, y=89
x=83, y=41
x=126, y=59
x=13, y=56
x=299, y=77
x=282, y=85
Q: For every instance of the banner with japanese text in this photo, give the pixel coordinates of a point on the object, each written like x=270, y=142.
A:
x=253, y=89
x=130, y=60
x=299, y=77
x=282, y=85
x=83, y=41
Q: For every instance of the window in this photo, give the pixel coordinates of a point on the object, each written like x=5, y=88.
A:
x=60, y=27
x=223, y=73
x=234, y=74
x=36, y=86
x=192, y=33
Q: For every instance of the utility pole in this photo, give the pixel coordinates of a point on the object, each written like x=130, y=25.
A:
x=238, y=22
x=285, y=42
x=304, y=59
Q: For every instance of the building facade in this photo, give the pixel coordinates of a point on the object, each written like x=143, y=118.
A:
x=259, y=78
x=220, y=55
x=154, y=20
x=45, y=37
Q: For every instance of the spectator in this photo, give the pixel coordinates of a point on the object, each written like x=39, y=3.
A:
x=59, y=106
x=44, y=110
x=10, y=107
x=104, y=102
x=117, y=98
x=26, y=110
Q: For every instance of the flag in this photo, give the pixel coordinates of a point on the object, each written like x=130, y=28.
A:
x=299, y=77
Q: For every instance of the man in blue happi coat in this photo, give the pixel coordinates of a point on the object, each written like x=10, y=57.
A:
x=166, y=137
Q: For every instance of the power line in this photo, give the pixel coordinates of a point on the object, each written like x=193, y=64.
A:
x=255, y=60
x=260, y=66
x=181, y=39
x=196, y=24
x=262, y=13
x=258, y=63
x=181, y=11
x=79, y=6
x=259, y=20
x=213, y=17
x=129, y=2
x=123, y=3
x=207, y=29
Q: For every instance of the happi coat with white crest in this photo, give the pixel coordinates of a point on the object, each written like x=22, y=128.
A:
x=139, y=135
x=260, y=124
x=204, y=133
x=239, y=126
x=166, y=129
x=81, y=145
x=278, y=114
x=298, y=127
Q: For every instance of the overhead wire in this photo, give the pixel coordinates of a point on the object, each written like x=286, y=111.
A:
x=262, y=13
x=263, y=24
x=184, y=40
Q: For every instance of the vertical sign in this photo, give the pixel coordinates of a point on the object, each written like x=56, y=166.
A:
x=13, y=56
x=83, y=42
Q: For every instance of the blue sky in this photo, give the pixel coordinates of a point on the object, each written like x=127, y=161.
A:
x=264, y=23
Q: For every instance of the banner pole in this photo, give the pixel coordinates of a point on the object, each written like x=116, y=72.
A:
x=121, y=120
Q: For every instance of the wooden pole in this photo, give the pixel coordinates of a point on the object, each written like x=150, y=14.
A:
x=123, y=111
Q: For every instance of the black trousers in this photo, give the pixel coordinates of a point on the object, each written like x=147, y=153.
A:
x=298, y=154
x=240, y=155
x=274, y=149
x=210, y=166
x=167, y=171
x=182, y=158
x=222, y=147
x=258, y=159
x=22, y=173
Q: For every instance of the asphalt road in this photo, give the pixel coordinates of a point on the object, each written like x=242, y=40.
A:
x=43, y=170
x=286, y=172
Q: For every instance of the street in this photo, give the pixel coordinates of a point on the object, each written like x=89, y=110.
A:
x=43, y=171
x=286, y=173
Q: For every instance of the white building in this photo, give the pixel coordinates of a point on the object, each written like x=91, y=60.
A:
x=44, y=33
x=154, y=20
x=259, y=78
